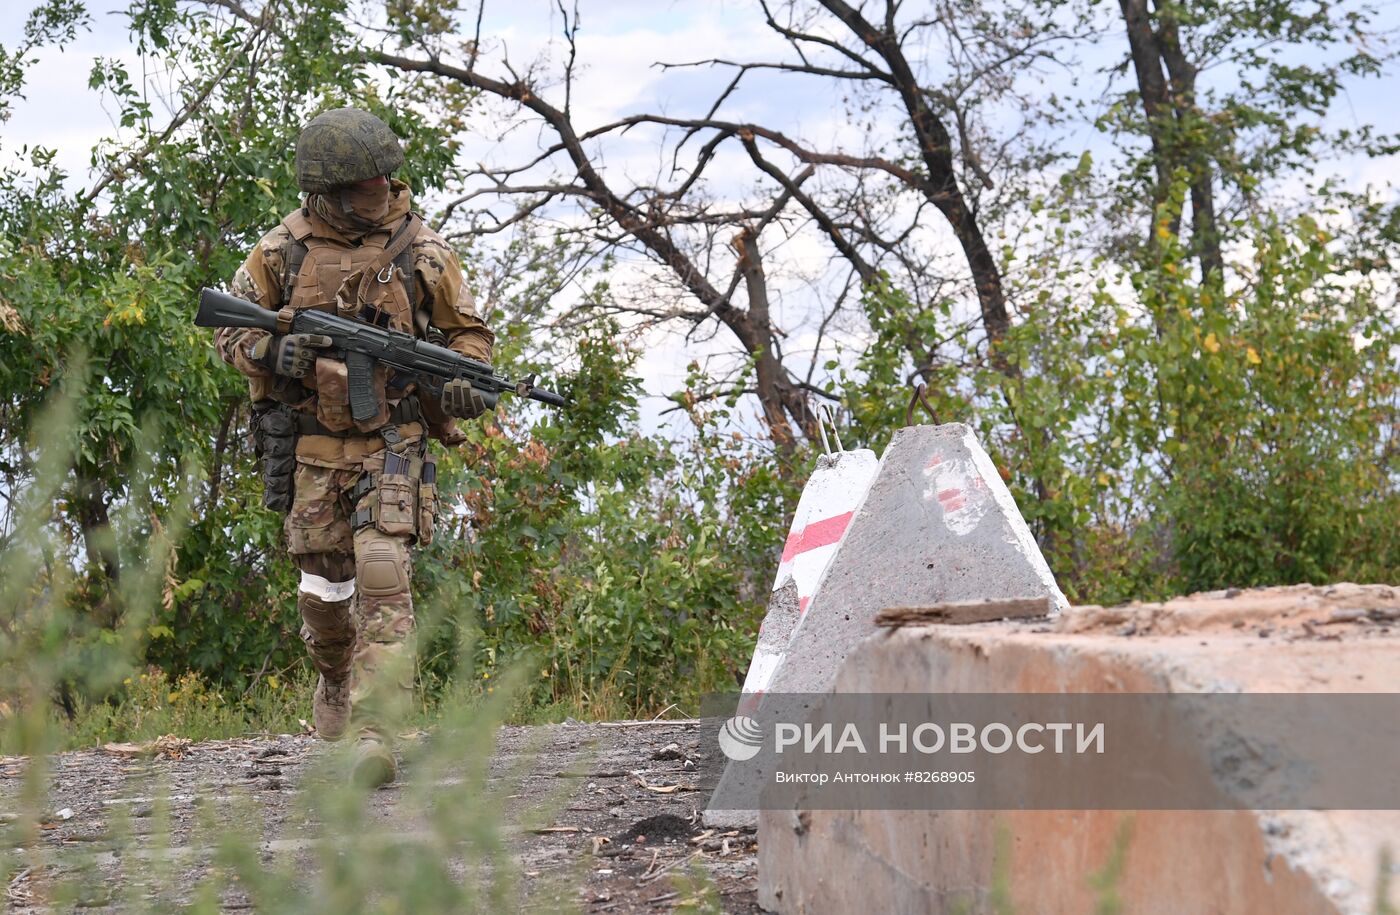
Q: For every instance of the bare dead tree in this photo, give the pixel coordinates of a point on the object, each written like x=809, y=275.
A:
x=1167, y=88
x=869, y=204
x=651, y=217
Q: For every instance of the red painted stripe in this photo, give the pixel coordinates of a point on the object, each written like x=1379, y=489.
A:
x=802, y=604
x=750, y=703
x=817, y=534
x=951, y=499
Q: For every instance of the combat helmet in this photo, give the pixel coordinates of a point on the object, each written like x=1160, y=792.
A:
x=344, y=146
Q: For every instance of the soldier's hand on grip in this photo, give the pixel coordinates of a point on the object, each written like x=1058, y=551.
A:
x=459, y=398
x=293, y=355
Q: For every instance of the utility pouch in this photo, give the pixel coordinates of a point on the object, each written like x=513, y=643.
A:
x=333, y=395
x=396, y=497
x=427, y=500
x=275, y=444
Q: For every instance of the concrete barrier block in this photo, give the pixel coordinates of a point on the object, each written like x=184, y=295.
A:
x=936, y=526
x=1284, y=640
x=824, y=511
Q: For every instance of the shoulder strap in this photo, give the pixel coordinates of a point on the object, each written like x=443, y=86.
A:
x=298, y=222
x=294, y=252
x=399, y=242
x=403, y=263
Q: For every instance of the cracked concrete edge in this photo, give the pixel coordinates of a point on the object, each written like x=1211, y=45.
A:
x=1023, y=539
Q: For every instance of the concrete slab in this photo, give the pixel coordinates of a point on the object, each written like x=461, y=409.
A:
x=1335, y=639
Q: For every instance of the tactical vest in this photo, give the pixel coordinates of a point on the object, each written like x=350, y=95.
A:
x=371, y=280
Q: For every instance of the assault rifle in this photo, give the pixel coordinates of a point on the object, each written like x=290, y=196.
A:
x=363, y=344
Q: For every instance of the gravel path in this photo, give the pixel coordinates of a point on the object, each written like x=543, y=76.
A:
x=596, y=817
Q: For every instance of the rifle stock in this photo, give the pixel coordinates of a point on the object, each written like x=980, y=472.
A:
x=216, y=309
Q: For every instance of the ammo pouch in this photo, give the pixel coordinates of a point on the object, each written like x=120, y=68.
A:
x=400, y=500
x=333, y=397
x=275, y=444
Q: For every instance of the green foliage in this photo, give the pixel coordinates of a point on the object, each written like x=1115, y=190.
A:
x=1263, y=76
x=151, y=704
x=1190, y=438
x=619, y=565
x=112, y=272
x=607, y=556
x=54, y=22
x=456, y=862
x=1282, y=407
x=46, y=648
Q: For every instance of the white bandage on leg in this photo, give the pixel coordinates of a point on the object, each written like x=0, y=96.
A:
x=326, y=589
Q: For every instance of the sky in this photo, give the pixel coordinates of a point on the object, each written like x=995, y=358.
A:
x=619, y=44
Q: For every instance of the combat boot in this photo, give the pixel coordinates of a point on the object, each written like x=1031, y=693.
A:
x=330, y=709
x=374, y=764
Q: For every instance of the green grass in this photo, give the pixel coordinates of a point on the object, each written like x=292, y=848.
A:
x=151, y=705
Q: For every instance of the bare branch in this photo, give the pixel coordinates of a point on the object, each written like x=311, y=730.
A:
x=783, y=67
x=808, y=156
x=866, y=271
x=501, y=189
x=797, y=38
x=187, y=111
x=570, y=36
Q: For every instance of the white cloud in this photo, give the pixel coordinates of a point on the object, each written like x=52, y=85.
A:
x=58, y=110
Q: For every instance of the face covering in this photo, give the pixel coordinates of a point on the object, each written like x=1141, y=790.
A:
x=356, y=209
x=369, y=203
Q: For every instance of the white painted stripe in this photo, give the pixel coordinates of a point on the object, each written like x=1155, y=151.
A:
x=808, y=567
x=326, y=589
x=761, y=670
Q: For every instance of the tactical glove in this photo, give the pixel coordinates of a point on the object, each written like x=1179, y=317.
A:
x=459, y=398
x=293, y=355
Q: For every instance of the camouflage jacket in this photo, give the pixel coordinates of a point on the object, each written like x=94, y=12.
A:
x=441, y=293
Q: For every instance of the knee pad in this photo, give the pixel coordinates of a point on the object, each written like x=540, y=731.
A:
x=325, y=608
x=382, y=567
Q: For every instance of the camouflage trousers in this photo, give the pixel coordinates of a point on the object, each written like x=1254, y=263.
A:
x=354, y=597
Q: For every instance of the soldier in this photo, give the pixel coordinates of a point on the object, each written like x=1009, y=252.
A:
x=358, y=494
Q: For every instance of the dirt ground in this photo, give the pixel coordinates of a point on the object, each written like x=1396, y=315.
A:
x=592, y=807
